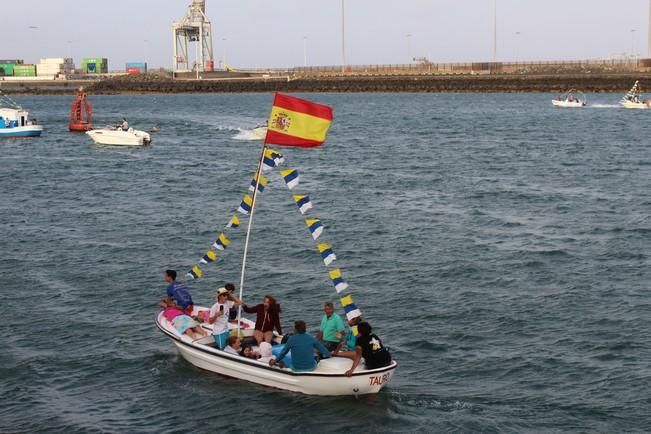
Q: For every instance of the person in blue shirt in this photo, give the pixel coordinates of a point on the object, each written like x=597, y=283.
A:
x=178, y=292
x=302, y=346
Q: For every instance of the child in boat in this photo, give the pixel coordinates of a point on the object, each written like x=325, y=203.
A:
x=183, y=323
x=219, y=316
x=247, y=351
x=265, y=352
x=234, y=345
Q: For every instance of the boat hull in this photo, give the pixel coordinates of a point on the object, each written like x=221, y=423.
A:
x=119, y=138
x=327, y=379
x=260, y=133
x=28, y=131
x=634, y=105
x=568, y=104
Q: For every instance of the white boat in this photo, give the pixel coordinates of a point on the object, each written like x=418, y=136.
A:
x=14, y=120
x=260, y=132
x=119, y=137
x=570, y=99
x=632, y=99
x=329, y=376
x=327, y=379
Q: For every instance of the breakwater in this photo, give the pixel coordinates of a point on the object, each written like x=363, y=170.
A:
x=508, y=83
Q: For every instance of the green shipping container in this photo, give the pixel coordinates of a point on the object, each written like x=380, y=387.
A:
x=6, y=69
x=24, y=70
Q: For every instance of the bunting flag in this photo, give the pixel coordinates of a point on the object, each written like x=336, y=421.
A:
x=315, y=227
x=326, y=253
x=346, y=300
x=352, y=311
x=222, y=242
x=355, y=330
x=337, y=281
x=210, y=256
x=261, y=185
x=234, y=222
x=291, y=177
x=271, y=159
x=297, y=122
x=195, y=273
x=303, y=203
x=245, y=206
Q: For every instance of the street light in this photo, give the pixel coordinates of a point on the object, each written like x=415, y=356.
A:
x=409, y=46
x=144, y=44
x=34, y=28
x=224, y=55
x=632, y=42
x=343, y=39
x=304, y=51
x=517, y=45
x=494, y=31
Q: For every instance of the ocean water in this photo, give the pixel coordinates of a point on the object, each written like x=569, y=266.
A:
x=500, y=248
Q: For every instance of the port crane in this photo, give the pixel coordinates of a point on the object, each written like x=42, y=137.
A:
x=194, y=27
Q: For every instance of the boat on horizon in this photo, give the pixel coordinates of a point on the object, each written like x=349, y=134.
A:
x=329, y=377
x=570, y=99
x=14, y=120
x=118, y=137
x=633, y=100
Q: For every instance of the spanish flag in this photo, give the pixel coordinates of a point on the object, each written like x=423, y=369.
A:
x=297, y=122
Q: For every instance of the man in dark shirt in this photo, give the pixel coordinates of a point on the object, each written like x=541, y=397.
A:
x=178, y=292
x=369, y=346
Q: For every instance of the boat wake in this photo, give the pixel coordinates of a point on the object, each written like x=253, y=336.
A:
x=605, y=105
x=246, y=135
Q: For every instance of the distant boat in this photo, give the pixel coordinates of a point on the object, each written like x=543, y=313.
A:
x=81, y=112
x=119, y=137
x=14, y=120
x=260, y=131
x=632, y=99
x=570, y=99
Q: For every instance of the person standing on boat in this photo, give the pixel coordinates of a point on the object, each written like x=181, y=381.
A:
x=219, y=316
x=302, y=346
x=125, y=124
x=178, y=292
x=332, y=327
x=267, y=319
x=369, y=346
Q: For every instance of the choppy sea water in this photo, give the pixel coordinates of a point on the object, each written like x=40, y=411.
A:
x=499, y=247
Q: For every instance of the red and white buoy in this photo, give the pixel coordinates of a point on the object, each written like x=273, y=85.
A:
x=81, y=112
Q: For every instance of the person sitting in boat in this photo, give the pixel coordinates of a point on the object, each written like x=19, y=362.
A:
x=267, y=318
x=266, y=352
x=183, y=323
x=178, y=292
x=125, y=124
x=332, y=327
x=348, y=340
x=234, y=345
x=302, y=346
x=247, y=351
x=369, y=346
x=219, y=316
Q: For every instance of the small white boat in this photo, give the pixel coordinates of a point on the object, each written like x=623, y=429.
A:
x=327, y=379
x=14, y=120
x=119, y=137
x=632, y=98
x=260, y=131
x=570, y=99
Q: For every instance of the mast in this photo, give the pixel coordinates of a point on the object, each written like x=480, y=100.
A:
x=248, y=231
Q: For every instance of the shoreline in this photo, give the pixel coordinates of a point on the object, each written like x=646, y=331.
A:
x=414, y=83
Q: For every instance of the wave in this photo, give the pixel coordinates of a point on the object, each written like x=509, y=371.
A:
x=245, y=135
x=605, y=105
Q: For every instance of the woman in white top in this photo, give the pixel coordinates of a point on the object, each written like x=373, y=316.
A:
x=219, y=316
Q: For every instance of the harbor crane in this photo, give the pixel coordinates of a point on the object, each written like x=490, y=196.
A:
x=194, y=27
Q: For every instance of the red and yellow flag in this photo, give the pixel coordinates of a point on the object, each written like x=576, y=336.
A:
x=297, y=122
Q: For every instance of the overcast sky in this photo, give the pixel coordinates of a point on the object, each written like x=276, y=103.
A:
x=257, y=33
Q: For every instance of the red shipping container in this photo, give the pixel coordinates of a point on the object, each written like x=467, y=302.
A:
x=134, y=70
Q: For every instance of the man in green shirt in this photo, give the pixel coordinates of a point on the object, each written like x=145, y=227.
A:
x=332, y=327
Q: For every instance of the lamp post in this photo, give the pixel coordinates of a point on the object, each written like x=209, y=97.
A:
x=343, y=38
x=144, y=45
x=517, y=46
x=632, y=42
x=304, y=51
x=224, y=55
x=34, y=28
x=494, y=31
x=409, y=47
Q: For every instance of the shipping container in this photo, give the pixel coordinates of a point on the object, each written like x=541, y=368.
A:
x=13, y=61
x=6, y=69
x=24, y=70
x=56, y=60
x=94, y=65
x=134, y=70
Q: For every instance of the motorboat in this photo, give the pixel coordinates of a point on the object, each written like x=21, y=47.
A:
x=632, y=99
x=14, y=120
x=570, y=99
x=327, y=379
x=329, y=375
x=260, y=131
x=119, y=137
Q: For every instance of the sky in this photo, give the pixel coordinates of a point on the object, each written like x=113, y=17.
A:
x=282, y=33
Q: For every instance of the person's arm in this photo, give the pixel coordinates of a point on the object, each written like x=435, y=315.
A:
x=358, y=358
x=214, y=317
x=234, y=299
x=322, y=349
x=248, y=309
x=282, y=353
